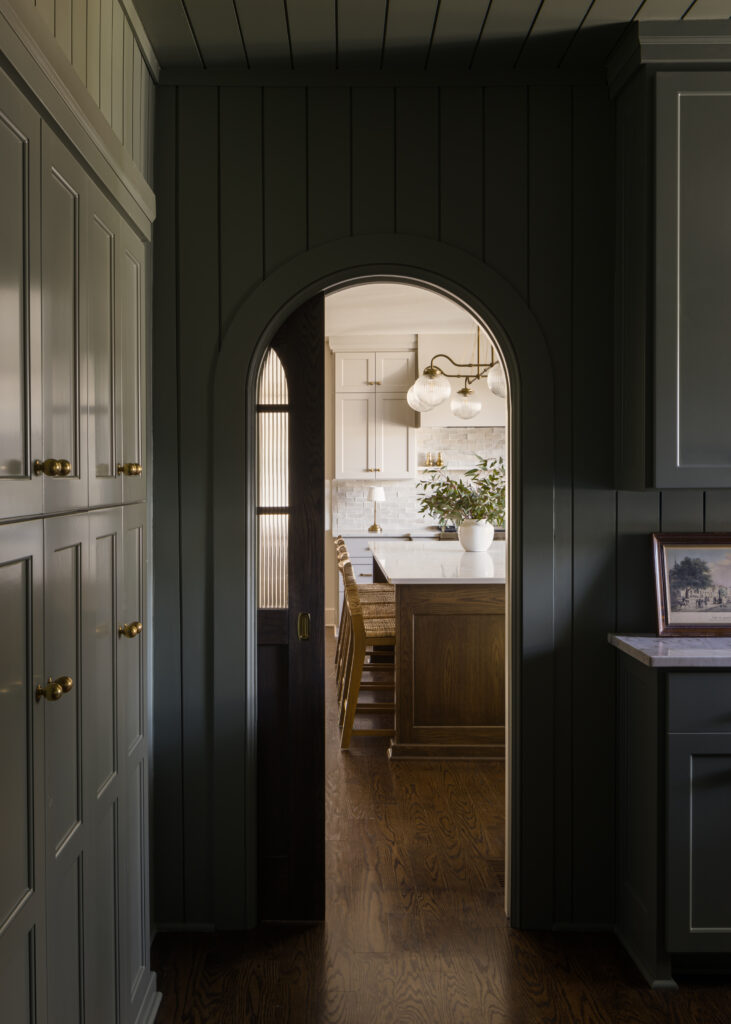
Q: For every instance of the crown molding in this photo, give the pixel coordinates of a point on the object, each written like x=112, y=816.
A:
x=669, y=46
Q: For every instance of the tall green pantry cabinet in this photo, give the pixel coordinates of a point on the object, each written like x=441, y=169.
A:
x=74, y=900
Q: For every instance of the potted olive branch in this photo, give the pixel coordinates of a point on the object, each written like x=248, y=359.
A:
x=475, y=503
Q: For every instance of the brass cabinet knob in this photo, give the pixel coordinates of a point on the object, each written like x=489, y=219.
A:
x=129, y=469
x=130, y=630
x=54, y=688
x=52, y=467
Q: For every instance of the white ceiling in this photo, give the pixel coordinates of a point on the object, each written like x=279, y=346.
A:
x=385, y=308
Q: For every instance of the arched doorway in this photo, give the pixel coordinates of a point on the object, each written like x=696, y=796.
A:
x=492, y=302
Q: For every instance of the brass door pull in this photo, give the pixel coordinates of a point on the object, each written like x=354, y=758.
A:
x=129, y=469
x=54, y=688
x=52, y=467
x=130, y=630
x=303, y=626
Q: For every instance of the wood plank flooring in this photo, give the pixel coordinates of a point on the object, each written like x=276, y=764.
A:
x=415, y=930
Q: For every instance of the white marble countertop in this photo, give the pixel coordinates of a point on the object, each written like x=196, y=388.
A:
x=423, y=561
x=676, y=652
x=400, y=532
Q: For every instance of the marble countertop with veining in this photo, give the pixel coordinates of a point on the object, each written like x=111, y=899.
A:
x=675, y=651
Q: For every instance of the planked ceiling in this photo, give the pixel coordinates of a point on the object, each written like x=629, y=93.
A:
x=399, y=35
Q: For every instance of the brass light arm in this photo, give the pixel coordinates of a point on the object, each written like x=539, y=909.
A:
x=482, y=368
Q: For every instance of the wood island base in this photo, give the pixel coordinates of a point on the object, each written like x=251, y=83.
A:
x=450, y=671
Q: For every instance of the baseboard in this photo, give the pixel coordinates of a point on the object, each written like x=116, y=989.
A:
x=151, y=1002
x=173, y=926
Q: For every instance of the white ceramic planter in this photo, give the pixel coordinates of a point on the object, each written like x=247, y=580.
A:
x=476, y=534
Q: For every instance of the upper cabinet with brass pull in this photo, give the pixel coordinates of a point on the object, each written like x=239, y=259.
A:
x=374, y=426
x=130, y=630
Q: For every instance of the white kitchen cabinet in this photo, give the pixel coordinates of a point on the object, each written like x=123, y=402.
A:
x=374, y=425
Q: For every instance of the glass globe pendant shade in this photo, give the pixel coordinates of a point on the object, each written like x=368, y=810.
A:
x=415, y=402
x=464, y=404
x=432, y=388
x=496, y=381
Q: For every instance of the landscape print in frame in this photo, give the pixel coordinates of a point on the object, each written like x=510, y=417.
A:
x=693, y=583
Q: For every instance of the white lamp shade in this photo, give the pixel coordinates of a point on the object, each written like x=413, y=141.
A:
x=376, y=494
x=432, y=391
x=496, y=381
x=415, y=402
x=465, y=406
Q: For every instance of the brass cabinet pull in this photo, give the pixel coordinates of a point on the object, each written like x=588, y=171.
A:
x=365, y=574
x=129, y=469
x=130, y=630
x=54, y=688
x=303, y=626
x=52, y=467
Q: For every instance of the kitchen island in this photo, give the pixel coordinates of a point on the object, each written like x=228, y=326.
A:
x=450, y=647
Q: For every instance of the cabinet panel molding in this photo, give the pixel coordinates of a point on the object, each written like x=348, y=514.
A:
x=21, y=491
x=64, y=194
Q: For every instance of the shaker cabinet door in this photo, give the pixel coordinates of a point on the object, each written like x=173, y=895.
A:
x=137, y=980
x=355, y=371
x=22, y=850
x=395, y=438
x=698, y=893
x=104, y=366
x=68, y=855
x=355, y=448
x=395, y=371
x=64, y=457
x=103, y=717
x=131, y=299
x=21, y=490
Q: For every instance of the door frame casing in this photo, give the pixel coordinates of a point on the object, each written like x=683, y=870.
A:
x=531, y=741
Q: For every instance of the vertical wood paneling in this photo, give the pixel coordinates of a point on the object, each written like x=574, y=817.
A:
x=298, y=168
x=106, y=58
x=417, y=162
x=93, y=35
x=242, y=226
x=128, y=87
x=717, y=511
x=62, y=26
x=681, y=510
x=550, y=179
x=137, y=108
x=594, y=509
x=168, y=840
x=461, y=166
x=78, y=37
x=638, y=515
x=505, y=163
x=328, y=164
x=198, y=332
x=373, y=161
x=285, y=164
x=117, y=64
x=48, y=13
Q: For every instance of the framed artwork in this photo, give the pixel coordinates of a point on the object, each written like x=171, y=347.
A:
x=693, y=583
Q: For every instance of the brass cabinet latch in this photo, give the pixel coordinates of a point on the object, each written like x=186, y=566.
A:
x=129, y=469
x=303, y=626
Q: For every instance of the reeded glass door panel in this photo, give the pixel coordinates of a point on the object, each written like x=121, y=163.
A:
x=273, y=388
x=273, y=558
x=273, y=483
x=273, y=458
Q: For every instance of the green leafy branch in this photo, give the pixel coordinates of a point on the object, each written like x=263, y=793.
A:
x=479, y=495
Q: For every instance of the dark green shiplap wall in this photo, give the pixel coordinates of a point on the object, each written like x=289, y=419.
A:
x=520, y=176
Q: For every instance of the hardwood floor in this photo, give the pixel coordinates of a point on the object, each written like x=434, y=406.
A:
x=415, y=930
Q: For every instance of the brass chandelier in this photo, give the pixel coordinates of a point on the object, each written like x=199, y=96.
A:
x=432, y=388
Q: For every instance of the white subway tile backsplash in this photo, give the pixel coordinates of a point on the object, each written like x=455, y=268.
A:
x=351, y=509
